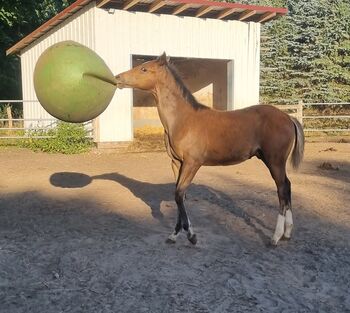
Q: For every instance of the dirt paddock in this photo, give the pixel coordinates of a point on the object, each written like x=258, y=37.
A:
x=86, y=233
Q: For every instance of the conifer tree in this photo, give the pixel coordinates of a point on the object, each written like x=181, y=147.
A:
x=308, y=53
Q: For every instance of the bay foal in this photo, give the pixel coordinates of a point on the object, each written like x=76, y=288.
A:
x=196, y=135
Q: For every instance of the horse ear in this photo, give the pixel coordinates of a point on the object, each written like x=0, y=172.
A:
x=163, y=59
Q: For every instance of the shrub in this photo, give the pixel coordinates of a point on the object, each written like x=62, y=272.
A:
x=66, y=138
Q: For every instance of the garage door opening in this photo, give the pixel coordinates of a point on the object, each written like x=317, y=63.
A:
x=207, y=79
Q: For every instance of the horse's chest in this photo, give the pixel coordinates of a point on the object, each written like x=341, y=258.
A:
x=184, y=145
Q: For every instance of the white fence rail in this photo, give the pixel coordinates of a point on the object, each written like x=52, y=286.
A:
x=13, y=128
x=300, y=112
x=17, y=128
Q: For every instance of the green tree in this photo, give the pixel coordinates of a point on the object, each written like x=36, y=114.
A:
x=308, y=53
x=17, y=19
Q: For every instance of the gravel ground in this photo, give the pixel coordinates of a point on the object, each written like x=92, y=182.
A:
x=86, y=233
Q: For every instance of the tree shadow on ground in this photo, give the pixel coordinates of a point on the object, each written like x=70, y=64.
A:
x=74, y=255
x=71, y=251
x=61, y=255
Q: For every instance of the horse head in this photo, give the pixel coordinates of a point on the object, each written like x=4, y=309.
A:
x=144, y=76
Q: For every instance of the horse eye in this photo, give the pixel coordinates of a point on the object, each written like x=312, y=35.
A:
x=143, y=69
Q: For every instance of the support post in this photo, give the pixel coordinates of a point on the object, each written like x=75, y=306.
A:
x=300, y=112
x=230, y=86
x=9, y=116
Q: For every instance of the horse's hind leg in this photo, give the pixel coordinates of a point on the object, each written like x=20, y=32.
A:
x=284, y=221
x=289, y=215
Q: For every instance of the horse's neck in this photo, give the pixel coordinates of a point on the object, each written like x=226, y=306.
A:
x=173, y=108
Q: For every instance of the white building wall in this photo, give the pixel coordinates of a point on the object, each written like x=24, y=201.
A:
x=123, y=34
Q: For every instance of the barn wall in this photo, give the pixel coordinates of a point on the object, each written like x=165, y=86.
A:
x=79, y=27
x=118, y=36
x=123, y=34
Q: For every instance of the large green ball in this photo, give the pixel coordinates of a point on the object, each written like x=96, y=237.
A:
x=72, y=82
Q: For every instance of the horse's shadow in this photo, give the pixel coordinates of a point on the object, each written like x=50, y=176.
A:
x=154, y=194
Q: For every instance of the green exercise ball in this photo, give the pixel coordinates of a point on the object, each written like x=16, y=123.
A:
x=72, y=82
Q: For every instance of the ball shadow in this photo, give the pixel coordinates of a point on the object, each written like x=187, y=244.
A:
x=70, y=180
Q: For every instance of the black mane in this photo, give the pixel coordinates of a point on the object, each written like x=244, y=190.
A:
x=184, y=90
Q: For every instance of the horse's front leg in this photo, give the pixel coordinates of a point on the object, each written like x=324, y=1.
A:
x=175, y=164
x=187, y=172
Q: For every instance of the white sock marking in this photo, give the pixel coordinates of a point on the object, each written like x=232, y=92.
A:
x=288, y=224
x=279, y=229
x=190, y=232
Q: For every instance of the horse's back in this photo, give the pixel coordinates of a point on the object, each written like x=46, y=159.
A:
x=251, y=121
x=267, y=119
x=234, y=136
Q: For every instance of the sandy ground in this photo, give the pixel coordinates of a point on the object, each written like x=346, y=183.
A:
x=86, y=233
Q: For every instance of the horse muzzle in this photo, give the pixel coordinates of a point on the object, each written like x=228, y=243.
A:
x=119, y=82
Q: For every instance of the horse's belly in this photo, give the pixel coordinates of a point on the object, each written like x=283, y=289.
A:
x=227, y=157
x=223, y=162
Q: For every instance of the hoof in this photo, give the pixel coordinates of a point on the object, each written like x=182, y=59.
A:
x=288, y=233
x=192, y=239
x=285, y=238
x=171, y=239
x=273, y=243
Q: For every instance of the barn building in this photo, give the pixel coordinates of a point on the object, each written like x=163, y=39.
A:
x=215, y=46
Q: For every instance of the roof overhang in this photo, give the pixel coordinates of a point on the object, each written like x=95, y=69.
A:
x=198, y=8
x=193, y=8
